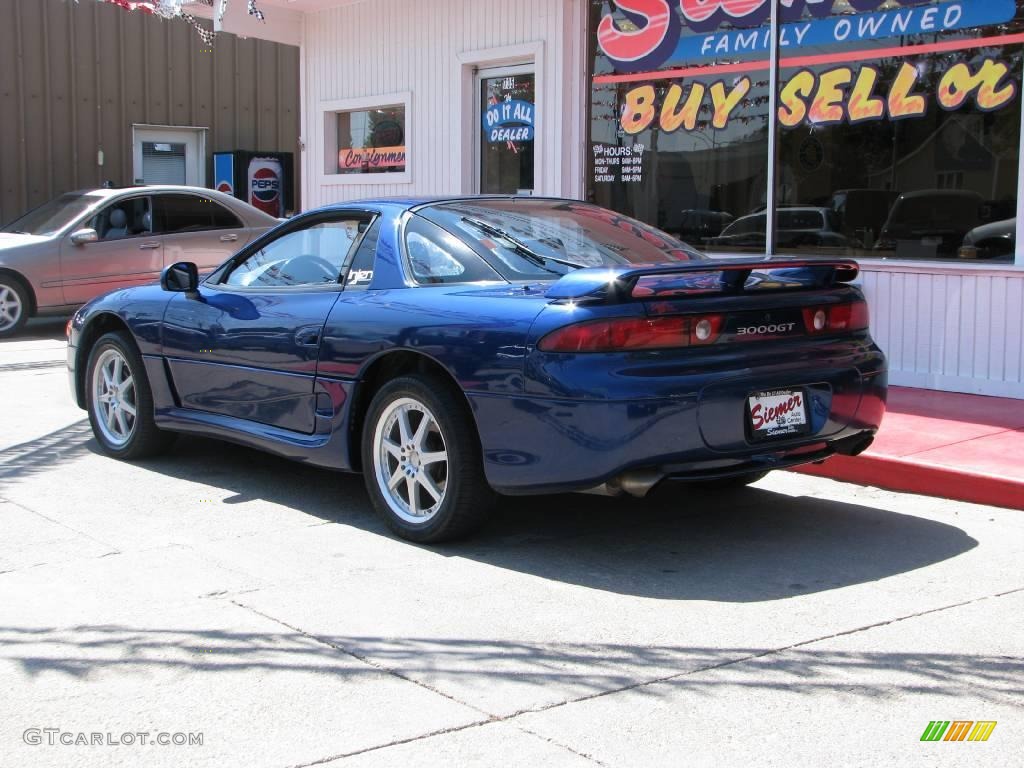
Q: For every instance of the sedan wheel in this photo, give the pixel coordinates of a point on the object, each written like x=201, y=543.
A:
x=119, y=400
x=421, y=460
x=13, y=306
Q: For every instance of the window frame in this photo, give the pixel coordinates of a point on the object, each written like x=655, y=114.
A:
x=215, y=280
x=110, y=203
x=327, y=136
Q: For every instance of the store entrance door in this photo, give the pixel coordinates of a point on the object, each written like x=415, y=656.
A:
x=508, y=114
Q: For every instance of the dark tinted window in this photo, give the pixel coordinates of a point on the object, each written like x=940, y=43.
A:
x=223, y=218
x=189, y=213
x=437, y=256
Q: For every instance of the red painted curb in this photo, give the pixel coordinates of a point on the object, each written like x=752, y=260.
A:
x=928, y=480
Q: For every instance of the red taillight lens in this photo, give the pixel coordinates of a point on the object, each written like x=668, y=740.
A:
x=841, y=317
x=623, y=334
x=67, y=328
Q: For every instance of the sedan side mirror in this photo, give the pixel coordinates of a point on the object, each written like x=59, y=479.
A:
x=83, y=236
x=182, y=277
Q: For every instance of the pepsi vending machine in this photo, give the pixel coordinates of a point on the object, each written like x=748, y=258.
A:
x=262, y=179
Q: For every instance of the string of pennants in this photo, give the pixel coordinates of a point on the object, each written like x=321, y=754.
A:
x=173, y=9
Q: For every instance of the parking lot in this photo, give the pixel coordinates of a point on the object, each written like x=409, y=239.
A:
x=261, y=604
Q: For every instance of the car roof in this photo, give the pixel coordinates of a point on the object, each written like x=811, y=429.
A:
x=941, y=193
x=114, y=191
x=410, y=202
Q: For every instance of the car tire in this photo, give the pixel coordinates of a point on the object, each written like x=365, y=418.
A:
x=116, y=385
x=727, y=483
x=14, y=305
x=422, y=461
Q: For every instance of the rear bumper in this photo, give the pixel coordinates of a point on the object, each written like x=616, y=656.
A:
x=542, y=445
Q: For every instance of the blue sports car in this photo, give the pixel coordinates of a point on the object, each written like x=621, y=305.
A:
x=454, y=349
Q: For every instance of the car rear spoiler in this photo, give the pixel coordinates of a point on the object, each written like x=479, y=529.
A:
x=622, y=283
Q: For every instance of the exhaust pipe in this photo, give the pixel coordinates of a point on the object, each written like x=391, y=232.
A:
x=637, y=484
x=853, y=446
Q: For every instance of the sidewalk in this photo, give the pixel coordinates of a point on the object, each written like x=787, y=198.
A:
x=965, y=447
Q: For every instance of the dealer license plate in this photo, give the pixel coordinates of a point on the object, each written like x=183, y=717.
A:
x=777, y=413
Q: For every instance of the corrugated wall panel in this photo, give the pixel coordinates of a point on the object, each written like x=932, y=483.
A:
x=954, y=330
x=74, y=78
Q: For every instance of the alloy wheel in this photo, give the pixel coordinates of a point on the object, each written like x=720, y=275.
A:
x=410, y=460
x=115, y=400
x=10, y=307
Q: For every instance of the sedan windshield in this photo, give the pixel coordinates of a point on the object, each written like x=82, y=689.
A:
x=526, y=239
x=53, y=216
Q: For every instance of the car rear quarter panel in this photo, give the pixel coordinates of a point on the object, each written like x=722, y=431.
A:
x=477, y=333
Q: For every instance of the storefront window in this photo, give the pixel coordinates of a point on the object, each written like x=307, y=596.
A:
x=371, y=140
x=901, y=120
x=897, y=135
x=678, y=129
x=508, y=111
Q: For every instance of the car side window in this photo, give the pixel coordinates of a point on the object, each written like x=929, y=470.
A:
x=437, y=256
x=304, y=257
x=360, y=270
x=123, y=218
x=191, y=213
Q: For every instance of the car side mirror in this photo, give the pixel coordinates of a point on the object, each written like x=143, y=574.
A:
x=182, y=277
x=83, y=236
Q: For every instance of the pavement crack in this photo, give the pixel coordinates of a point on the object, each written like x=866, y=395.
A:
x=395, y=743
x=559, y=744
x=368, y=661
x=753, y=656
x=114, y=550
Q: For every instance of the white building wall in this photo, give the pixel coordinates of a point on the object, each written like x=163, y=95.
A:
x=427, y=48
x=954, y=328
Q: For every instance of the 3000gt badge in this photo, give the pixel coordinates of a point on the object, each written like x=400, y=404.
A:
x=777, y=413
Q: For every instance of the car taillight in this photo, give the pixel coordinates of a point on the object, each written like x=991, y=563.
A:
x=632, y=333
x=837, y=318
x=67, y=328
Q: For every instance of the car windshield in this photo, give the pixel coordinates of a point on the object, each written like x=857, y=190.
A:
x=53, y=216
x=526, y=239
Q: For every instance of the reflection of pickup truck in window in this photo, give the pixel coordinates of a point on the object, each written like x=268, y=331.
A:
x=931, y=223
x=860, y=213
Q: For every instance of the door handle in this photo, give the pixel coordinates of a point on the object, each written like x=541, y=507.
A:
x=148, y=246
x=228, y=238
x=307, y=337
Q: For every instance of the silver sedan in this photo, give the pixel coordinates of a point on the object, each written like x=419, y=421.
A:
x=82, y=244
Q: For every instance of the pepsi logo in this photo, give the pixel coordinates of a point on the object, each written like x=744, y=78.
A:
x=266, y=185
x=225, y=188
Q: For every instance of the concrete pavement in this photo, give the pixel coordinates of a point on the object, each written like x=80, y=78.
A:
x=260, y=603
